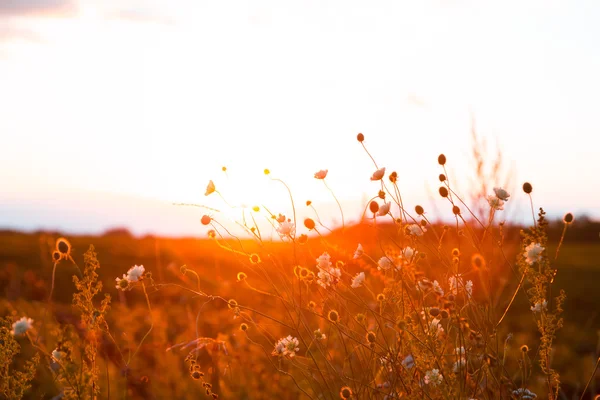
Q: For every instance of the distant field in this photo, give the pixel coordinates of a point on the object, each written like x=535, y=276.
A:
x=26, y=268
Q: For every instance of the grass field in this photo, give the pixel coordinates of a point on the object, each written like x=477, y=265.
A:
x=231, y=363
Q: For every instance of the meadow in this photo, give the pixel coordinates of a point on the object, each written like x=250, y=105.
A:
x=396, y=306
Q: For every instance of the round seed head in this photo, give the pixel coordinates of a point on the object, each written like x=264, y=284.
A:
x=241, y=276
x=443, y=191
x=381, y=297
x=371, y=337
x=524, y=348
x=360, y=137
x=374, y=207
x=419, y=210
x=196, y=375
x=243, y=327
x=455, y=210
x=527, y=188
x=477, y=261
x=441, y=159
x=434, y=312
x=205, y=220
x=345, y=392
x=568, y=218
x=56, y=255
x=333, y=316
x=302, y=239
x=63, y=246
x=308, y=203
x=309, y=223
x=442, y=177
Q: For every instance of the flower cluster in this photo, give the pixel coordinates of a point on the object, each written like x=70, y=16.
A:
x=287, y=346
x=135, y=274
x=328, y=275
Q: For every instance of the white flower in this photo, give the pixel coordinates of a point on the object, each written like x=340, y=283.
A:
x=539, y=306
x=460, y=365
x=122, y=283
x=433, y=377
x=377, y=175
x=57, y=355
x=286, y=347
x=384, y=264
x=460, y=351
x=435, y=327
x=384, y=209
x=358, y=280
x=21, y=326
x=320, y=335
x=408, y=362
x=524, y=394
x=324, y=261
x=321, y=174
x=286, y=228
x=501, y=193
x=469, y=288
x=359, y=252
x=408, y=253
x=329, y=277
x=135, y=273
x=416, y=230
x=495, y=202
x=533, y=253
x=437, y=288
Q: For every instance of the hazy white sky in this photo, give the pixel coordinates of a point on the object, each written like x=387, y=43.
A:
x=134, y=102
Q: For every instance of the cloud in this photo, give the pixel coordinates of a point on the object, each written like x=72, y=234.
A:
x=36, y=7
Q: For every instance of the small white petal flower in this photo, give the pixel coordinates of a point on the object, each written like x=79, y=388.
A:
x=358, y=252
x=384, y=209
x=469, y=288
x=437, y=288
x=433, y=377
x=377, y=175
x=57, y=355
x=321, y=174
x=384, y=264
x=533, y=253
x=286, y=228
x=416, y=230
x=324, y=261
x=329, y=277
x=495, y=202
x=539, y=306
x=320, y=335
x=21, y=326
x=435, y=327
x=135, y=273
x=460, y=365
x=358, y=280
x=286, y=347
x=408, y=362
x=524, y=394
x=122, y=283
x=501, y=193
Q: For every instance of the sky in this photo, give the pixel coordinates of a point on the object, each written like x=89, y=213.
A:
x=111, y=111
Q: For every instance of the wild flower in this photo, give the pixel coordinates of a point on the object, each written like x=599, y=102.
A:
x=457, y=285
x=210, y=188
x=287, y=346
x=524, y=394
x=377, y=175
x=539, y=306
x=58, y=355
x=358, y=252
x=358, y=280
x=433, y=377
x=319, y=335
x=437, y=288
x=495, y=203
x=286, y=228
x=321, y=174
x=385, y=263
x=501, y=193
x=459, y=365
x=21, y=326
x=435, y=327
x=135, y=273
x=328, y=277
x=345, y=392
x=533, y=253
x=408, y=362
x=415, y=230
x=324, y=261
x=384, y=209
